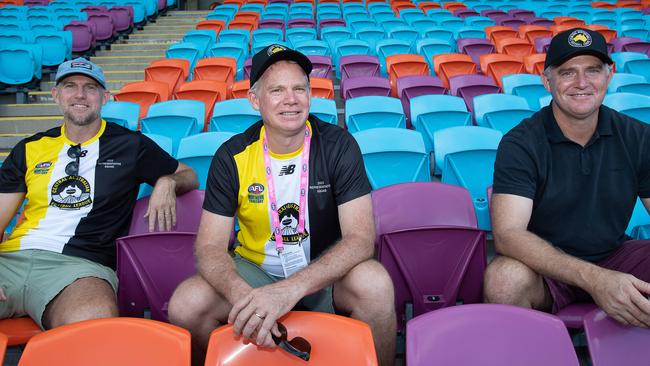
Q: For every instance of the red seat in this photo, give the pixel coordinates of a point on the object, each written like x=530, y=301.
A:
x=19, y=330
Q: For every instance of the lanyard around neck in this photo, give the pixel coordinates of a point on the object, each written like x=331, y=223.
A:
x=304, y=181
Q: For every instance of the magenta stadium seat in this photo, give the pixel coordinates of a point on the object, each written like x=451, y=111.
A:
x=630, y=44
x=611, y=343
x=188, y=213
x=322, y=66
x=411, y=86
x=475, y=47
x=271, y=23
x=469, y=86
x=541, y=44
x=358, y=65
x=301, y=23
x=434, y=253
x=365, y=86
x=83, y=35
x=104, y=23
x=489, y=335
x=122, y=18
x=149, y=268
x=573, y=314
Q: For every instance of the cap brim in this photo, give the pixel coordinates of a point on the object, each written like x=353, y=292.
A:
x=81, y=72
x=287, y=55
x=606, y=59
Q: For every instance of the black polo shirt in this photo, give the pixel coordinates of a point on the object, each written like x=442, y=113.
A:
x=582, y=197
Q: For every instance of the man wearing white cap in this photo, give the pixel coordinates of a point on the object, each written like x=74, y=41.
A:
x=80, y=182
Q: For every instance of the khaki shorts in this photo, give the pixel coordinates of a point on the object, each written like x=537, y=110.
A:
x=255, y=276
x=32, y=278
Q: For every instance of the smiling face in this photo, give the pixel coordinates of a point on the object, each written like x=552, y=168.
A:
x=282, y=96
x=578, y=87
x=80, y=99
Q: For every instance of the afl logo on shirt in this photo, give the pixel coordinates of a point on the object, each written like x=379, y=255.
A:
x=256, y=193
x=71, y=193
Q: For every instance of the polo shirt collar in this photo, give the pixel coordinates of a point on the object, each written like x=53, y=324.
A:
x=555, y=135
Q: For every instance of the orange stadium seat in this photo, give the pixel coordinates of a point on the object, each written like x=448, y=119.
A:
x=426, y=5
x=633, y=4
x=557, y=28
x=215, y=25
x=243, y=24
x=497, y=65
x=532, y=31
x=454, y=5
x=110, y=341
x=452, y=64
x=495, y=32
x=534, y=63
x=603, y=5
x=248, y=16
x=18, y=330
x=333, y=340
x=207, y=91
x=609, y=34
x=374, y=1
x=261, y=2
x=144, y=93
x=403, y=65
x=321, y=88
x=515, y=46
x=239, y=89
x=216, y=68
x=3, y=340
x=567, y=20
x=172, y=71
x=399, y=5
x=234, y=2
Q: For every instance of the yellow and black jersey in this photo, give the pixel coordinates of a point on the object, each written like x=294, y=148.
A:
x=237, y=186
x=80, y=210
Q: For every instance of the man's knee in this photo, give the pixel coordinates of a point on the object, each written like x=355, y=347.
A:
x=85, y=299
x=509, y=281
x=193, y=300
x=367, y=286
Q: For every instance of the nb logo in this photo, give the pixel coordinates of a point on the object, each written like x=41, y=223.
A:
x=287, y=169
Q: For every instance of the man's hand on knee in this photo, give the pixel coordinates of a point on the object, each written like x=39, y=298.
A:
x=2, y=295
x=623, y=297
x=255, y=315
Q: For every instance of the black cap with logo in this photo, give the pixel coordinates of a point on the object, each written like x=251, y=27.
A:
x=574, y=42
x=272, y=54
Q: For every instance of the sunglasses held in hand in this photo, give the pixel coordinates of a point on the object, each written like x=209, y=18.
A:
x=297, y=346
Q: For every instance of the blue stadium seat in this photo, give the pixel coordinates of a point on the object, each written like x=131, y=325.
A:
x=429, y=47
x=628, y=83
x=165, y=143
x=267, y=35
x=20, y=63
x=203, y=38
x=325, y=109
x=622, y=58
x=500, y=111
x=470, y=32
x=405, y=33
x=640, y=66
x=372, y=35
x=125, y=114
x=639, y=226
x=260, y=45
x=437, y=33
x=258, y=8
x=431, y=113
x=296, y=35
x=362, y=113
x=468, y=154
x=634, y=105
x=393, y=155
x=334, y=35
x=234, y=115
x=349, y=47
x=388, y=47
x=234, y=35
x=527, y=86
x=185, y=50
x=197, y=151
x=174, y=119
x=57, y=46
x=236, y=50
x=314, y=47
x=479, y=21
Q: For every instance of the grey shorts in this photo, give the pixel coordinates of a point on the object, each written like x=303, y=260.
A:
x=32, y=278
x=321, y=301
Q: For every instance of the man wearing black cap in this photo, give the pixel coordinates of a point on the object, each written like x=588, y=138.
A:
x=301, y=196
x=565, y=183
x=80, y=182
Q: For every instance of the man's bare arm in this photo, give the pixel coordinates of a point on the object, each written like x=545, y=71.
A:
x=162, y=203
x=619, y=294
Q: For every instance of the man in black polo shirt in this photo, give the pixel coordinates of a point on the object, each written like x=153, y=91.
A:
x=565, y=184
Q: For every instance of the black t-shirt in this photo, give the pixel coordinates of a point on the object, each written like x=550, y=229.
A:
x=582, y=197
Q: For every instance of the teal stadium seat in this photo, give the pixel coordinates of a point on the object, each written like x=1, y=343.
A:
x=368, y=112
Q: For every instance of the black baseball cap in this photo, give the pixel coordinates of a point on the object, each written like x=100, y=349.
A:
x=272, y=54
x=575, y=42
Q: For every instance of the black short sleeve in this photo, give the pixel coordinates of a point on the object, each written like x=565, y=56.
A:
x=153, y=161
x=349, y=172
x=644, y=157
x=12, y=172
x=515, y=169
x=222, y=185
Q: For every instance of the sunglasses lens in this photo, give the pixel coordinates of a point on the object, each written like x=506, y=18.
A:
x=72, y=168
x=294, y=351
x=74, y=151
x=301, y=344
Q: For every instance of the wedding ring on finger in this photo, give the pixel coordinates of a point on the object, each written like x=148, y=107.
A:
x=259, y=316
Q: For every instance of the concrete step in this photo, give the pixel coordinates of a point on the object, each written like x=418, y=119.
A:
x=125, y=74
x=108, y=60
x=29, y=110
x=28, y=125
x=164, y=29
x=9, y=140
x=141, y=46
x=112, y=84
x=124, y=66
x=132, y=52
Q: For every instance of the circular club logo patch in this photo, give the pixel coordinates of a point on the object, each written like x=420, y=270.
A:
x=579, y=38
x=71, y=193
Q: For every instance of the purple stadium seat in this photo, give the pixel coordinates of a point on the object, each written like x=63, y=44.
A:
x=611, y=343
x=104, y=22
x=630, y=44
x=411, y=86
x=271, y=23
x=512, y=22
x=573, y=315
x=358, y=65
x=248, y=64
x=301, y=23
x=521, y=13
x=488, y=335
x=83, y=37
x=93, y=8
x=322, y=66
x=469, y=86
x=465, y=12
x=331, y=23
x=475, y=47
x=541, y=44
x=492, y=13
x=122, y=18
x=541, y=21
x=188, y=213
x=428, y=240
x=149, y=267
x=365, y=85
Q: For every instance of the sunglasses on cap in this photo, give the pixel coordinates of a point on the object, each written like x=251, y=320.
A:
x=297, y=346
x=72, y=168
